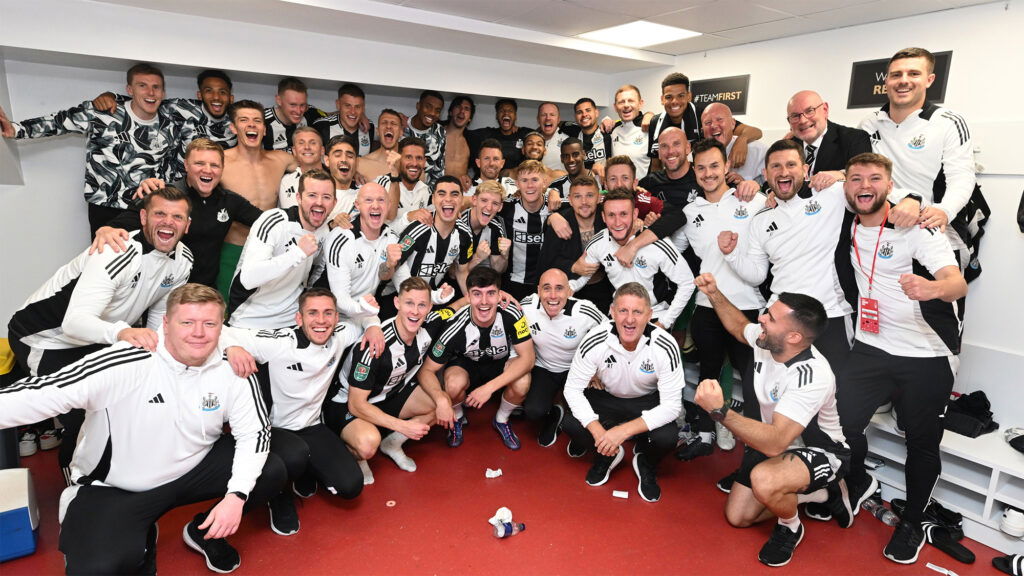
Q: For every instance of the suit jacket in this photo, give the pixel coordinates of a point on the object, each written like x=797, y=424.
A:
x=839, y=145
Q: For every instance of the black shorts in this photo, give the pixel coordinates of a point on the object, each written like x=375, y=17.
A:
x=823, y=466
x=337, y=415
x=480, y=372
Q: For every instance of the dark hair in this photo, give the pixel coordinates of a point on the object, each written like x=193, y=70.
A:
x=871, y=158
x=914, y=53
x=392, y=112
x=459, y=100
x=491, y=143
x=291, y=83
x=144, y=68
x=448, y=179
x=619, y=194
x=351, y=90
x=339, y=140
x=219, y=74
x=570, y=141
x=675, y=79
x=482, y=277
x=411, y=141
x=169, y=193
x=316, y=174
x=782, y=146
x=808, y=313
x=431, y=94
x=707, y=144
x=239, y=104
x=583, y=180
x=620, y=160
x=503, y=101
x=583, y=100
x=316, y=292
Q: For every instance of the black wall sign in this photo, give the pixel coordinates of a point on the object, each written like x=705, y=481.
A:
x=867, y=82
x=731, y=91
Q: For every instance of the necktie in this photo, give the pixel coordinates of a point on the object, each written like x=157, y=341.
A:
x=811, y=148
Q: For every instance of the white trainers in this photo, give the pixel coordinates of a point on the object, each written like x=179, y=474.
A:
x=27, y=444
x=1013, y=522
x=726, y=441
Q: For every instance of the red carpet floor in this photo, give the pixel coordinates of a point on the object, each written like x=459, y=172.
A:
x=438, y=523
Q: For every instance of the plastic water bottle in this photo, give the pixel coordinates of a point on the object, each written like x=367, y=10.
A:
x=878, y=510
x=508, y=529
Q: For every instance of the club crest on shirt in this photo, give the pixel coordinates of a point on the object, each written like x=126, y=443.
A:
x=647, y=367
x=496, y=331
x=773, y=394
x=210, y=402
x=453, y=251
x=640, y=262
x=916, y=143
x=740, y=213
x=364, y=140
x=886, y=250
x=812, y=207
x=168, y=281
x=222, y=215
x=570, y=333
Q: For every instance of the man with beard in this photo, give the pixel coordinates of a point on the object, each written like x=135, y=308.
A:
x=381, y=161
x=907, y=342
x=409, y=196
x=456, y=147
x=489, y=164
x=291, y=110
x=279, y=256
x=426, y=125
x=348, y=120
x=342, y=162
x=506, y=133
x=596, y=143
x=308, y=150
x=214, y=209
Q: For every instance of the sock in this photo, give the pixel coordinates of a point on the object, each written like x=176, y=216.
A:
x=819, y=495
x=392, y=448
x=505, y=410
x=792, y=523
x=457, y=411
x=367, y=473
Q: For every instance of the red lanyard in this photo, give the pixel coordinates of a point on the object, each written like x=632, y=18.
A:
x=871, y=277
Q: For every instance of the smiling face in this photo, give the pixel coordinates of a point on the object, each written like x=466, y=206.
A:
x=428, y=111
x=586, y=116
x=372, y=204
x=673, y=148
x=248, y=125
x=308, y=149
x=583, y=200
x=317, y=318
x=192, y=331
x=776, y=326
x=486, y=205
x=710, y=169
x=574, y=159
x=553, y=291
x=628, y=104
x=618, y=217
x=531, y=186
x=718, y=123
x=413, y=307
x=785, y=172
x=146, y=92
x=203, y=169
x=350, y=110
x=483, y=302
x=619, y=176
x=292, y=104
x=631, y=315
x=389, y=130
x=315, y=203
x=907, y=82
x=534, y=147
x=506, y=117
x=341, y=159
x=490, y=163
x=164, y=223
x=808, y=128
x=547, y=119
x=447, y=199
x=216, y=96
x=867, y=187
x=411, y=165
x=675, y=98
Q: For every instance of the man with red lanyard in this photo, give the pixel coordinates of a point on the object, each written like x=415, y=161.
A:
x=908, y=336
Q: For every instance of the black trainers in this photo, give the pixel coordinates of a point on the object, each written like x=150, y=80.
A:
x=647, y=477
x=858, y=493
x=575, y=451
x=693, y=449
x=549, y=430
x=905, y=544
x=220, y=556
x=603, y=466
x=305, y=487
x=508, y=435
x=818, y=511
x=838, y=503
x=725, y=484
x=284, y=520
x=778, y=550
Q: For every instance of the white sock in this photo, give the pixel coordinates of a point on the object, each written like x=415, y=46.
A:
x=819, y=495
x=391, y=447
x=707, y=437
x=505, y=410
x=792, y=523
x=457, y=411
x=367, y=473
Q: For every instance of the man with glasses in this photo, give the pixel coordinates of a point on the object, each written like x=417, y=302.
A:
x=827, y=145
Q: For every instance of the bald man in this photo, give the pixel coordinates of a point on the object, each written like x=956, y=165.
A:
x=718, y=123
x=827, y=145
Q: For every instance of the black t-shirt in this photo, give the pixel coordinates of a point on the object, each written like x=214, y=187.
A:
x=511, y=144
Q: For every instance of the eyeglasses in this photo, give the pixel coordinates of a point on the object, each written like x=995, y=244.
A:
x=809, y=113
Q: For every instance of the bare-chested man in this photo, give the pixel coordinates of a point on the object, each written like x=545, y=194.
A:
x=379, y=162
x=254, y=173
x=456, y=152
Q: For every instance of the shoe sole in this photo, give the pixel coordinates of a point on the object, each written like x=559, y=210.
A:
x=191, y=544
x=639, y=481
x=568, y=451
x=790, y=559
x=23, y=452
x=909, y=560
x=608, y=474
x=872, y=487
x=45, y=444
x=301, y=495
x=273, y=527
x=844, y=495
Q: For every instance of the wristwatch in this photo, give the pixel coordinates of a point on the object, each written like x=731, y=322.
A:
x=719, y=414
x=242, y=495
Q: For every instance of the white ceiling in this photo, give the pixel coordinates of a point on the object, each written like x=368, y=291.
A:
x=543, y=31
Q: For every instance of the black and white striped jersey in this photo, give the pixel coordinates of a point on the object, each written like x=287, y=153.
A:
x=653, y=265
x=461, y=337
x=555, y=340
x=654, y=366
x=121, y=149
x=279, y=134
x=92, y=298
x=799, y=389
x=396, y=367
x=597, y=146
x=427, y=254
x=354, y=265
x=195, y=122
x=434, y=136
x=273, y=271
x=149, y=419
x=490, y=233
x=329, y=127
x=508, y=184
x=798, y=238
x=300, y=371
x=526, y=230
x=564, y=184
x=909, y=328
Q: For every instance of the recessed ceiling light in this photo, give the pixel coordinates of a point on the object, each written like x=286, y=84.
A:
x=639, y=34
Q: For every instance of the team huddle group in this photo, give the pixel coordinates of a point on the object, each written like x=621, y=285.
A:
x=332, y=289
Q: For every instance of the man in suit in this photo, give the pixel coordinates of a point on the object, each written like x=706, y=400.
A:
x=827, y=145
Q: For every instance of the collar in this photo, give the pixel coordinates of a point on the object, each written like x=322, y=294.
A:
x=805, y=192
x=293, y=214
x=301, y=341
x=925, y=112
x=183, y=184
x=146, y=246
x=817, y=143
x=806, y=354
x=644, y=339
